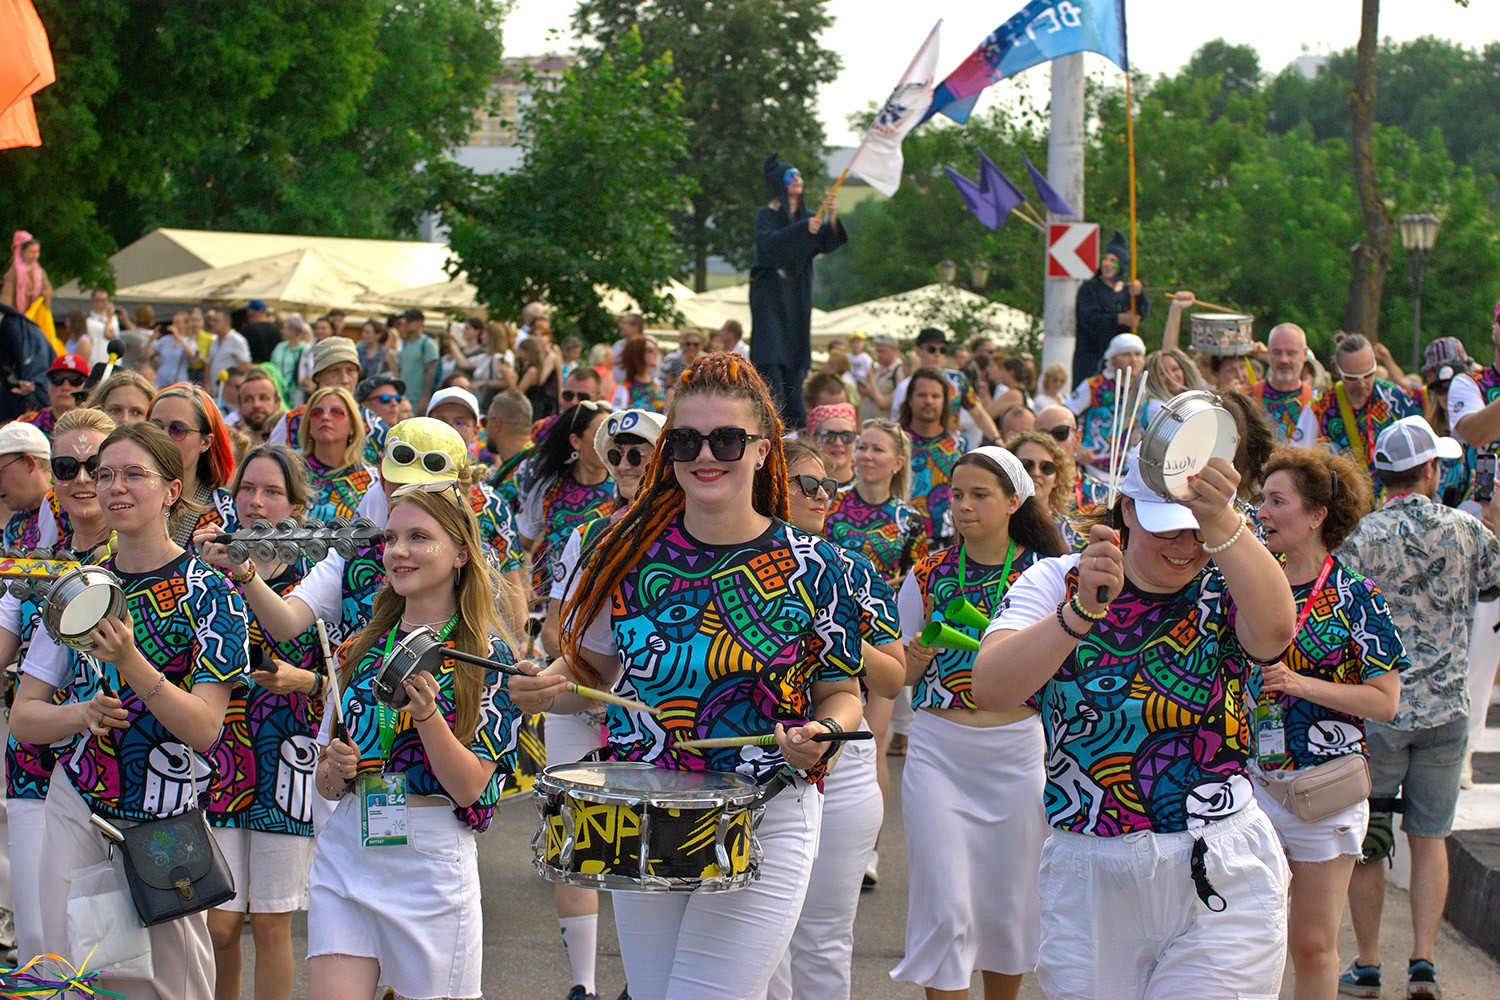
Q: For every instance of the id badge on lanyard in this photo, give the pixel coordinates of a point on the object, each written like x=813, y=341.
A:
x=382, y=797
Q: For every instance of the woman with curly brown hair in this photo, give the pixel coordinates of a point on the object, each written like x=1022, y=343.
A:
x=1051, y=470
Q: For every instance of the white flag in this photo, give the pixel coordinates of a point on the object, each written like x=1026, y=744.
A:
x=878, y=159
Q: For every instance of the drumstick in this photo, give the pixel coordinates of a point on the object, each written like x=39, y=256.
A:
x=766, y=740
x=593, y=694
x=1200, y=302
x=334, y=696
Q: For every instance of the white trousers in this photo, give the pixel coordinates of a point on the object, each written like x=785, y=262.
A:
x=817, y=962
x=1484, y=656
x=1121, y=917
x=26, y=818
x=182, y=954
x=724, y=945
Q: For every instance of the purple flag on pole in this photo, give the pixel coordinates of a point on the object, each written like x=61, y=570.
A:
x=977, y=202
x=1047, y=193
x=997, y=187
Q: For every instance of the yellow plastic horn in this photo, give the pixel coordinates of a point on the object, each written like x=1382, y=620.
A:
x=941, y=635
x=961, y=612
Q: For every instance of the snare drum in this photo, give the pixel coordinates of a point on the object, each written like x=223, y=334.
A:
x=419, y=651
x=1186, y=432
x=637, y=827
x=79, y=601
x=1223, y=334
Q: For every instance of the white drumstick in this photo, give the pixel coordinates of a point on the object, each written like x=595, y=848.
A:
x=331, y=666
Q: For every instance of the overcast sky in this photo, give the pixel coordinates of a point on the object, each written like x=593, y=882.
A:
x=877, y=38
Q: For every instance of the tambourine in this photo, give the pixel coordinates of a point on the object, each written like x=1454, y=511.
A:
x=1223, y=334
x=78, y=601
x=289, y=539
x=419, y=651
x=1188, y=430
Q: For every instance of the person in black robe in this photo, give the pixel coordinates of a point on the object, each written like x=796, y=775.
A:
x=1104, y=308
x=787, y=238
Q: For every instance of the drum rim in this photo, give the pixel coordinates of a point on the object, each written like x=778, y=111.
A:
x=647, y=883
x=82, y=577
x=548, y=783
x=1176, y=412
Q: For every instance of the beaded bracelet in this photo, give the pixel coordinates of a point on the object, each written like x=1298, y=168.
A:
x=1216, y=549
x=1077, y=606
x=1077, y=636
x=240, y=581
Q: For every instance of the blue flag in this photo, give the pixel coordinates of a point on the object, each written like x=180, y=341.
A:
x=997, y=187
x=1041, y=31
x=975, y=200
x=1047, y=194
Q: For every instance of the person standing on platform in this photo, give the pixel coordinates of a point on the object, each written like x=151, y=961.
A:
x=1282, y=393
x=1106, y=308
x=787, y=238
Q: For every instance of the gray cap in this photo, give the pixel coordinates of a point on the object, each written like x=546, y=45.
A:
x=1411, y=442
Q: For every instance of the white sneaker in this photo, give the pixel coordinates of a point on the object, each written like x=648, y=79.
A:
x=872, y=877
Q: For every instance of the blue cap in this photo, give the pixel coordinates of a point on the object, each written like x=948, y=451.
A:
x=257, y=304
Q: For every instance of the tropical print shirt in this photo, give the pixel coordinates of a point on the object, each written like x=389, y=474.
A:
x=948, y=680
x=1283, y=409
x=550, y=511
x=726, y=640
x=891, y=535
x=1430, y=562
x=494, y=737
x=1322, y=424
x=1348, y=638
x=932, y=462
x=190, y=624
x=1146, y=720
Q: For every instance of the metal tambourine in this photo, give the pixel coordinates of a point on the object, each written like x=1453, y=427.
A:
x=1223, y=334
x=1188, y=430
x=419, y=651
x=289, y=539
x=78, y=601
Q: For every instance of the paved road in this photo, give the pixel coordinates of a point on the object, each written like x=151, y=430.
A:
x=523, y=958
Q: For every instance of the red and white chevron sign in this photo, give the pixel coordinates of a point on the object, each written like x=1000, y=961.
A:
x=1072, y=249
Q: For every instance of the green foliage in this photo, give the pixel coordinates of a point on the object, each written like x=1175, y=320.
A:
x=302, y=116
x=594, y=202
x=749, y=72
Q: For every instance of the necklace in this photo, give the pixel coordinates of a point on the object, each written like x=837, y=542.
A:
x=411, y=625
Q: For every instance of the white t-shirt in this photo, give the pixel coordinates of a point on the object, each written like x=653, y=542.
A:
x=568, y=565
x=101, y=331
x=322, y=589
x=1035, y=594
x=228, y=351
x=1464, y=398
x=860, y=366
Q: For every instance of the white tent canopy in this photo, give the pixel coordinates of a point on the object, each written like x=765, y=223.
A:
x=903, y=314
x=306, y=279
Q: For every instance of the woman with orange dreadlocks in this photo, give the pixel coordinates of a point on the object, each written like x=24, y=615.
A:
x=193, y=421
x=705, y=603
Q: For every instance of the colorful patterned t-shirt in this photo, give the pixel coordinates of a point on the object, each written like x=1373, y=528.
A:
x=335, y=493
x=879, y=621
x=1092, y=402
x=549, y=513
x=1348, y=639
x=932, y=462
x=948, y=680
x=1283, y=409
x=1322, y=424
x=891, y=535
x=1145, y=720
x=494, y=737
x=726, y=641
x=190, y=624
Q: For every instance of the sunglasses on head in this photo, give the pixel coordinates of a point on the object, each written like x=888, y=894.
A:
x=435, y=462
x=842, y=437
x=72, y=379
x=635, y=456
x=65, y=469
x=683, y=444
x=176, y=430
x=440, y=486
x=810, y=485
x=569, y=396
x=1060, y=433
x=1048, y=468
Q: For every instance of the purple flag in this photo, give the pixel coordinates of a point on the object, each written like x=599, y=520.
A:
x=997, y=187
x=1047, y=193
x=977, y=202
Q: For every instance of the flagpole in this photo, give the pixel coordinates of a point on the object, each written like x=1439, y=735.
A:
x=840, y=182
x=1130, y=151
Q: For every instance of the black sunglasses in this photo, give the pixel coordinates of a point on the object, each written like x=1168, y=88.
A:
x=73, y=379
x=1061, y=433
x=568, y=396
x=1048, y=468
x=635, y=456
x=932, y=348
x=65, y=469
x=683, y=444
x=810, y=485
x=842, y=437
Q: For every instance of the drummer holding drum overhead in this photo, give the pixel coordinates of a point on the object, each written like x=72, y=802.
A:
x=150, y=698
x=708, y=607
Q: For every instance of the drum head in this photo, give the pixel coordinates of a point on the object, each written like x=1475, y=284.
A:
x=645, y=781
x=85, y=610
x=1207, y=433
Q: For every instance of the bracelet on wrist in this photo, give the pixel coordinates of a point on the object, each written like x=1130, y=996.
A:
x=427, y=716
x=1214, y=550
x=240, y=580
x=161, y=679
x=831, y=725
x=1063, y=622
x=1077, y=605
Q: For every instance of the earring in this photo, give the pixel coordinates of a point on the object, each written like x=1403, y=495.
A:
x=572, y=458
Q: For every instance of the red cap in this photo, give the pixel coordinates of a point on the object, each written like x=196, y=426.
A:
x=70, y=363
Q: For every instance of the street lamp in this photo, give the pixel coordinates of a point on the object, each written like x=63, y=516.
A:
x=947, y=271
x=979, y=275
x=1418, y=234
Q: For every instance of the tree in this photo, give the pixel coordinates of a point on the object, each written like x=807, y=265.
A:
x=749, y=73
x=594, y=201
x=1372, y=254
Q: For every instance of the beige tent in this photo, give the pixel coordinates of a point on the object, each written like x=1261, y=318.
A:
x=453, y=295
x=305, y=279
x=163, y=253
x=734, y=302
x=904, y=313
x=695, y=310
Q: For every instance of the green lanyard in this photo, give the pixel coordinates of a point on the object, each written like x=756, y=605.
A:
x=963, y=553
x=386, y=715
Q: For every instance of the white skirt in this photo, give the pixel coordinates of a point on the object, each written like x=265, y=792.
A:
x=971, y=799
x=414, y=909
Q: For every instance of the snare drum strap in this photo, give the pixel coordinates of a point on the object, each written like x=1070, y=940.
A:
x=1351, y=429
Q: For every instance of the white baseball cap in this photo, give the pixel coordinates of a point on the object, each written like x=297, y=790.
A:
x=1411, y=442
x=453, y=394
x=20, y=438
x=1154, y=513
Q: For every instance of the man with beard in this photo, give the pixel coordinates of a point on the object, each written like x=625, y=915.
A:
x=1283, y=394
x=928, y=420
x=260, y=404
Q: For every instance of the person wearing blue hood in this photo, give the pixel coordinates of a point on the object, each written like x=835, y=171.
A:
x=1104, y=308
x=787, y=238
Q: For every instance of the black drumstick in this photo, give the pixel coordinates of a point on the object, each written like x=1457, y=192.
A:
x=843, y=737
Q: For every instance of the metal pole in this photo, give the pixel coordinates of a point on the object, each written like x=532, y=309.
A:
x=1065, y=173
x=1419, y=265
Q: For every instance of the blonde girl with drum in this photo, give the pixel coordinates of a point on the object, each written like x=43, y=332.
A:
x=398, y=903
x=971, y=791
x=149, y=701
x=706, y=603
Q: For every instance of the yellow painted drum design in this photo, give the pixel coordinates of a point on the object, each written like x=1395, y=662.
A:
x=637, y=827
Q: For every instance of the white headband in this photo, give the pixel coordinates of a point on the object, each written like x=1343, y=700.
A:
x=1019, y=478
